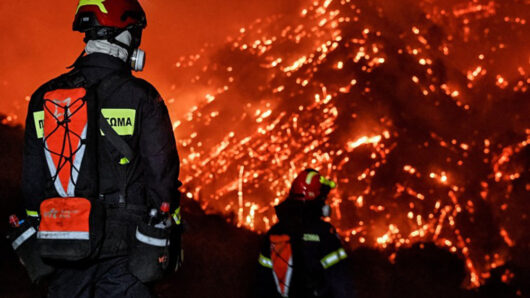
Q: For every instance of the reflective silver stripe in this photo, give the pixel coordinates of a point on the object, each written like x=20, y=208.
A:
x=150, y=240
x=53, y=171
x=333, y=258
x=287, y=281
x=264, y=261
x=22, y=238
x=63, y=235
x=77, y=163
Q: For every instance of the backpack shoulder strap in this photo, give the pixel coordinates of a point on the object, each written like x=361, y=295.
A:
x=69, y=80
x=105, y=90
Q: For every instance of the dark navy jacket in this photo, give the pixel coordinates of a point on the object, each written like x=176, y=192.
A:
x=138, y=114
x=319, y=262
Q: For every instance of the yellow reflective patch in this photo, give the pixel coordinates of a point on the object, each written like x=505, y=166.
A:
x=32, y=213
x=38, y=117
x=333, y=258
x=98, y=3
x=264, y=261
x=176, y=216
x=327, y=182
x=121, y=120
x=311, y=238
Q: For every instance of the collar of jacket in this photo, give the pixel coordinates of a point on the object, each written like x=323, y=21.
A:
x=101, y=61
x=97, y=65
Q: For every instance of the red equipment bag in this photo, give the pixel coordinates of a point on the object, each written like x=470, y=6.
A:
x=71, y=226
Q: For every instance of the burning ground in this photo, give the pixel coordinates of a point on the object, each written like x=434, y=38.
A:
x=220, y=259
x=419, y=110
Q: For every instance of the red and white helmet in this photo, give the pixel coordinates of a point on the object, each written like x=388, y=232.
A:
x=117, y=14
x=308, y=185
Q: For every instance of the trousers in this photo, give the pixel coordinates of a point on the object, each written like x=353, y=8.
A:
x=107, y=278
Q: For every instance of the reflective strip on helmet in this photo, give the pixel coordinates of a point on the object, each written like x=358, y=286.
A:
x=265, y=262
x=151, y=240
x=98, y=3
x=63, y=235
x=333, y=258
x=310, y=176
x=22, y=238
x=38, y=117
x=32, y=213
x=176, y=216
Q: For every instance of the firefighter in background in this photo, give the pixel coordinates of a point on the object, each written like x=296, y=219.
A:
x=99, y=135
x=302, y=255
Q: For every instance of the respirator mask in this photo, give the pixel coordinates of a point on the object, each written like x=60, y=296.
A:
x=326, y=210
x=137, y=60
x=136, y=55
x=123, y=44
x=133, y=38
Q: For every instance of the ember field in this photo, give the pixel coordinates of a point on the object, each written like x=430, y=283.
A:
x=418, y=109
x=219, y=255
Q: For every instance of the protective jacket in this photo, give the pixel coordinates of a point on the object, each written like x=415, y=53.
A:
x=302, y=256
x=137, y=113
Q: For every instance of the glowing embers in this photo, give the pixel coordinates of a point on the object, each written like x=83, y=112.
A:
x=391, y=113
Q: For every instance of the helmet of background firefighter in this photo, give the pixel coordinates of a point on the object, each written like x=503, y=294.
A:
x=107, y=19
x=309, y=185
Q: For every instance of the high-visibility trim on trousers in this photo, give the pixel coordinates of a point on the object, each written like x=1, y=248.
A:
x=333, y=258
x=151, y=240
x=264, y=261
x=23, y=237
x=63, y=235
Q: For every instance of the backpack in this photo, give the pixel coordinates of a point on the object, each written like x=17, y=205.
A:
x=288, y=259
x=72, y=222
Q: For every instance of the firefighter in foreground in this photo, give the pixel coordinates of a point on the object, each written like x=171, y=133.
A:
x=302, y=255
x=100, y=173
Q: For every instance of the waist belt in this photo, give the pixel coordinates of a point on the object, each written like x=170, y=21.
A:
x=112, y=201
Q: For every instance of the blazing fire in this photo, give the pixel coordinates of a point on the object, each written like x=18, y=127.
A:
x=418, y=111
